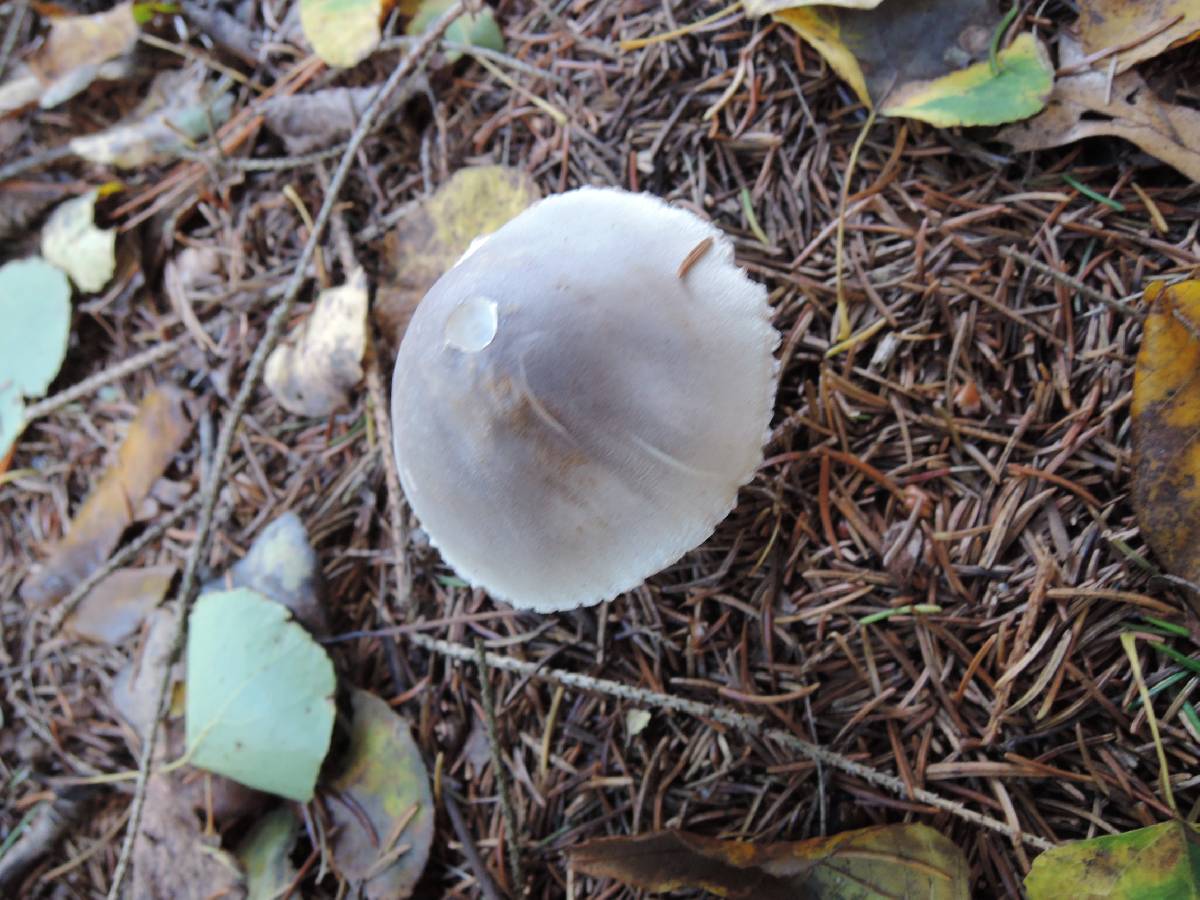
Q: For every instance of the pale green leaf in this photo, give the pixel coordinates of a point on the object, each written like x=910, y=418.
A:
x=475, y=30
x=259, y=694
x=72, y=242
x=35, y=321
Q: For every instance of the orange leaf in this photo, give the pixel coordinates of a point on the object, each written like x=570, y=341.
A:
x=155, y=435
x=885, y=861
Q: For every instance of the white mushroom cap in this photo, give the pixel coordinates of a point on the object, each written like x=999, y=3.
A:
x=571, y=413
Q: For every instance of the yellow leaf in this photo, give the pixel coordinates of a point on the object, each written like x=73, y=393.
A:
x=1144, y=29
x=928, y=59
x=1166, y=427
x=473, y=203
x=342, y=32
x=978, y=96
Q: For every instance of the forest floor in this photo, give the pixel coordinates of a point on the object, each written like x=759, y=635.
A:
x=973, y=453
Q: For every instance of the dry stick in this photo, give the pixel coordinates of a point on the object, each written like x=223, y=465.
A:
x=1074, y=283
x=748, y=724
x=111, y=374
x=249, y=383
x=510, y=818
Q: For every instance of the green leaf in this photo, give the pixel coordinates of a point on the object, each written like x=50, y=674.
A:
x=72, y=242
x=978, y=96
x=1161, y=862
x=35, y=321
x=259, y=694
x=474, y=30
x=264, y=855
x=384, y=784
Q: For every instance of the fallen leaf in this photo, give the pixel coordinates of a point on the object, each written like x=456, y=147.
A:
x=319, y=120
x=154, y=437
x=135, y=688
x=1166, y=422
x=179, y=110
x=259, y=694
x=282, y=566
x=264, y=854
x=116, y=607
x=35, y=322
x=313, y=375
x=472, y=29
x=1089, y=104
x=383, y=784
x=1137, y=26
x=915, y=59
x=474, y=202
x=173, y=858
x=78, y=41
x=342, y=32
x=71, y=241
x=636, y=721
x=77, y=51
x=978, y=96
x=887, y=861
x=1159, y=862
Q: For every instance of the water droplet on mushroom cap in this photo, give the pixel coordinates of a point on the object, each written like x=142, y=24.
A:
x=571, y=415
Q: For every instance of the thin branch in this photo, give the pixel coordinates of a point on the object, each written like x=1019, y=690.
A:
x=747, y=724
x=254, y=371
x=1074, y=283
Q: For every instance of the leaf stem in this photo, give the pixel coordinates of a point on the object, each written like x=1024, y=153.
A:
x=998, y=36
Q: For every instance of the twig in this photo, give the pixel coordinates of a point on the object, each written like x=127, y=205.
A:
x=36, y=161
x=747, y=724
x=14, y=29
x=46, y=826
x=254, y=371
x=510, y=819
x=1074, y=283
x=109, y=375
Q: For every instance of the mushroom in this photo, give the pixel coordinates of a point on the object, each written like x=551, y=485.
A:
x=578, y=400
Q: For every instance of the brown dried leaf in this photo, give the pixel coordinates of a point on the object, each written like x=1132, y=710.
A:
x=1166, y=425
x=1137, y=26
x=116, y=607
x=1084, y=105
x=317, y=121
x=76, y=41
x=884, y=862
x=154, y=437
x=173, y=858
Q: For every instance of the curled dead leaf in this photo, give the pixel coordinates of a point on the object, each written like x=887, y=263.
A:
x=313, y=376
x=1090, y=104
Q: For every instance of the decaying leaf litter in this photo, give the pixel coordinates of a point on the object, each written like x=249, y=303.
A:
x=970, y=457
